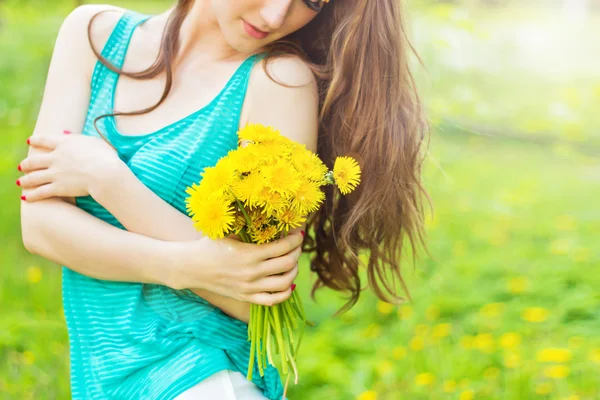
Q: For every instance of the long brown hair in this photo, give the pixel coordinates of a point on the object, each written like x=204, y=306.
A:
x=369, y=109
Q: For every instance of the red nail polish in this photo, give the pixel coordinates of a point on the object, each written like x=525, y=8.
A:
x=28, y=141
x=18, y=182
x=23, y=198
x=19, y=167
x=302, y=232
x=66, y=132
x=293, y=286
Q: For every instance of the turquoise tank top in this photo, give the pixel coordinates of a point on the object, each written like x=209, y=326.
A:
x=133, y=341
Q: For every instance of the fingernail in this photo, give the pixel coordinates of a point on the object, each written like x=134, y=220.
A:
x=293, y=286
x=23, y=198
x=66, y=132
x=18, y=182
x=28, y=141
x=302, y=232
x=19, y=167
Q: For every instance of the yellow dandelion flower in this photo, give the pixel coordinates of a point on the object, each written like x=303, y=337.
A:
x=510, y=340
x=346, y=174
x=543, y=388
x=34, y=274
x=512, y=360
x=417, y=343
x=595, y=356
x=310, y=165
x=248, y=189
x=213, y=216
x=484, y=342
x=385, y=308
x=258, y=133
x=517, y=285
x=264, y=235
x=216, y=182
x=245, y=159
x=556, y=371
x=534, y=314
x=425, y=379
x=288, y=219
x=398, y=353
x=449, y=386
x=553, y=354
x=491, y=310
x=368, y=395
x=271, y=202
x=307, y=198
x=280, y=178
x=441, y=330
x=258, y=217
x=468, y=394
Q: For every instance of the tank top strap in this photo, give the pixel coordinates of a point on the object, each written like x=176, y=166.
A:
x=116, y=46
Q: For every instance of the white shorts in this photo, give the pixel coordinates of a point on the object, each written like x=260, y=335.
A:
x=224, y=385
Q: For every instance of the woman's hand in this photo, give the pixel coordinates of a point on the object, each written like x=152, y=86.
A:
x=260, y=274
x=66, y=166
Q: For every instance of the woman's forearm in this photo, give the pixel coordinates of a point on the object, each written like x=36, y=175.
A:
x=141, y=211
x=67, y=235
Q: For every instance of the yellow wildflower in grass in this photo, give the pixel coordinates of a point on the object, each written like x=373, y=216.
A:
x=368, y=395
x=468, y=394
x=543, y=388
x=346, y=173
x=491, y=310
x=399, y=353
x=518, y=285
x=385, y=367
x=385, y=308
x=556, y=371
x=441, y=330
x=34, y=274
x=213, y=216
x=484, y=342
x=405, y=312
x=512, y=360
x=595, y=356
x=417, y=343
x=432, y=313
x=553, y=354
x=535, y=314
x=510, y=340
x=424, y=379
x=491, y=373
x=449, y=386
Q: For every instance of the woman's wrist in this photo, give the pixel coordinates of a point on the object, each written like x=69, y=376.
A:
x=108, y=181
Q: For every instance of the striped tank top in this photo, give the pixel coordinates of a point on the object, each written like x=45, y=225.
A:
x=133, y=341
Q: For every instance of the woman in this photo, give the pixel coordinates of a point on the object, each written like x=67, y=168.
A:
x=154, y=309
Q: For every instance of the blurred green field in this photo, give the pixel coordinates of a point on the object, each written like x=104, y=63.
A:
x=507, y=305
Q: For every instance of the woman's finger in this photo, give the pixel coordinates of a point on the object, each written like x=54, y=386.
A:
x=35, y=179
x=35, y=162
x=45, y=141
x=275, y=283
x=270, y=299
x=40, y=193
x=279, y=265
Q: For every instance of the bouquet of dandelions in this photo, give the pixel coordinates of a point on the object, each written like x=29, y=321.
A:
x=259, y=192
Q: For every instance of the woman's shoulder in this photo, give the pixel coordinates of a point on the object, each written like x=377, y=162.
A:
x=74, y=29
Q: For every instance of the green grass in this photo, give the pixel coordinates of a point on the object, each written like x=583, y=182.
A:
x=515, y=227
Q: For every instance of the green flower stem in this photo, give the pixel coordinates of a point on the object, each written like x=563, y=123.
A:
x=252, y=343
x=279, y=336
x=269, y=339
